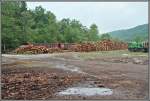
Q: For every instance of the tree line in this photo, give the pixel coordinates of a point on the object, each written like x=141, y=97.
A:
x=21, y=25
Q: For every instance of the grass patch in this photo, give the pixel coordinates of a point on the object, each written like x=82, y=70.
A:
x=118, y=53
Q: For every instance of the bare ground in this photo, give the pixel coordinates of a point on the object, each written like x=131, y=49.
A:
x=43, y=76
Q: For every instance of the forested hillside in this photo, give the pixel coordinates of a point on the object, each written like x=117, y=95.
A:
x=20, y=25
x=139, y=32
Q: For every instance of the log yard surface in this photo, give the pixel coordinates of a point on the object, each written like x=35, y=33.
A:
x=75, y=75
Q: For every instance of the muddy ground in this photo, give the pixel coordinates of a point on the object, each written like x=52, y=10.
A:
x=44, y=76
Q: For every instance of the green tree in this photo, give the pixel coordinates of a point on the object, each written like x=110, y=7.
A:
x=11, y=24
x=93, y=33
x=105, y=36
x=64, y=30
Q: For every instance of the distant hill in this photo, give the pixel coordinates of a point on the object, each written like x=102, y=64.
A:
x=130, y=34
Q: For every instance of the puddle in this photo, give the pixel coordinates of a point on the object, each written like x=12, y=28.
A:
x=84, y=91
x=26, y=56
x=125, y=54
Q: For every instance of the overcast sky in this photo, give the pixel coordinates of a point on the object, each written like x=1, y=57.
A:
x=108, y=16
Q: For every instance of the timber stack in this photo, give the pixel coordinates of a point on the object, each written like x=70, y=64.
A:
x=83, y=47
x=31, y=49
x=104, y=45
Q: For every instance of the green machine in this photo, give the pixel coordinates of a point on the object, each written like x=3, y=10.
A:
x=138, y=46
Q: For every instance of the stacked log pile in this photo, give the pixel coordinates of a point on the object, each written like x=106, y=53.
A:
x=108, y=45
x=105, y=45
x=54, y=50
x=31, y=49
x=83, y=47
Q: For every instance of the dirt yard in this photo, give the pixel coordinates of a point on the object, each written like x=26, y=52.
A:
x=120, y=74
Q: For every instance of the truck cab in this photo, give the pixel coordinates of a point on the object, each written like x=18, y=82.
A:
x=134, y=46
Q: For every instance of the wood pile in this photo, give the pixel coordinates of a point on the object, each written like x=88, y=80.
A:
x=105, y=45
x=54, y=50
x=108, y=45
x=83, y=47
x=31, y=49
